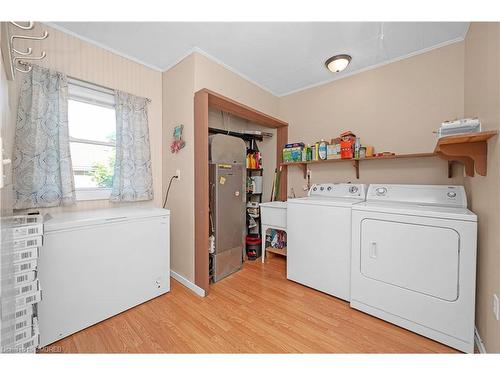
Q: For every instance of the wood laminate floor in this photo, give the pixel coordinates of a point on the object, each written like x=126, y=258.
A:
x=256, y=310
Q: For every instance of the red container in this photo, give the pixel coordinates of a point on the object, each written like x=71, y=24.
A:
x=347, y=149
x=253, y=247
x=348, y=139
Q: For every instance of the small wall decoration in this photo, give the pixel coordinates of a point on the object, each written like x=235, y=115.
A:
x=177, y=142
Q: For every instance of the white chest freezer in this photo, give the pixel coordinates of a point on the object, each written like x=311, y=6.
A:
x=96, y=264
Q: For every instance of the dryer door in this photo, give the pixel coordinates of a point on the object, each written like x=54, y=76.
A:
x=420, y=258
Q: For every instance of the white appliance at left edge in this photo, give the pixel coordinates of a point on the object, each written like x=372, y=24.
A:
x=96, y=264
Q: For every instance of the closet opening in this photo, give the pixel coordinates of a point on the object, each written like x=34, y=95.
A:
x=213, y=115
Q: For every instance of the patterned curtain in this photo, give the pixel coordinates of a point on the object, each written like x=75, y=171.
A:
x=132, y=180
x=42, y=171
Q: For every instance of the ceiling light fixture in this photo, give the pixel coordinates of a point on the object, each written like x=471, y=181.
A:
x=337, y=63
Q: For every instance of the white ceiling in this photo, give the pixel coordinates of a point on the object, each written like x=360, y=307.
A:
x=281, y=57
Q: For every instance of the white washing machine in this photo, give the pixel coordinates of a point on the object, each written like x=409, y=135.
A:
x=319, y=237
x=414, y=260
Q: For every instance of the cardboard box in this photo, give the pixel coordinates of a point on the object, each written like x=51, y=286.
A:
x=292, y=154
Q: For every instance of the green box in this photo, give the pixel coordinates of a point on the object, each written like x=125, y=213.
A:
x=293, y=154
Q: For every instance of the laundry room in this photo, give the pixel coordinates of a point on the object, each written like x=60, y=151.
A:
x=249, y=187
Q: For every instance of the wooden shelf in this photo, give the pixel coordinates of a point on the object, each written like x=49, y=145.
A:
x=355, y=162
x=276, y=251
x=469, y=149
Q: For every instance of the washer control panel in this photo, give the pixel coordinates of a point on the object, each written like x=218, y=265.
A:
x=338, y=190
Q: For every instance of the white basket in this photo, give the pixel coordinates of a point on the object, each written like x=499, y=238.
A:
x=25, y=255
x=28, y=346
x=23, y=313
x=26, y=266
x=29, y=299
x=24, y=278
x=27, y=243
x=21, y=220
x=27, y=288
x=27, y=231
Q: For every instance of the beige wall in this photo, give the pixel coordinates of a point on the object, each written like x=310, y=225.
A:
x=482, y=99
x=178, y=96
x=210, y=75
x=81, y=60
x=394, y=108
x=179, y=85
x=6, y=133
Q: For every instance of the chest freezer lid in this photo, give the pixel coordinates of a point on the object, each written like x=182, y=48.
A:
x=76, y=219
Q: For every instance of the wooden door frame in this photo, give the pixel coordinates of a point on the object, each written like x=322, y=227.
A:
x=203, y=100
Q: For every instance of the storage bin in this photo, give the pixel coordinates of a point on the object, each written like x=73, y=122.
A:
x=253, y=247
x=274, y=214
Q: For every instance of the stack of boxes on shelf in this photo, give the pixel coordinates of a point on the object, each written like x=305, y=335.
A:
x=27, y=239
x=346, y=146
x=293, y=152
x=460, y=126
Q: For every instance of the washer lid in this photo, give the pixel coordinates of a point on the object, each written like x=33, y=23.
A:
x=326, y=201
x=442, y=212
x=76, y=219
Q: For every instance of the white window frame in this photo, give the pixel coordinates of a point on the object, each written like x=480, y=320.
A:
x=89, y=93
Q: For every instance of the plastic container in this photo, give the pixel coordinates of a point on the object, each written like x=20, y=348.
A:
x=253, y=247
x=322, y=150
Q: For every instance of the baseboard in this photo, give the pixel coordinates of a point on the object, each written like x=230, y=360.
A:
x=479, y=342
x=188, y=284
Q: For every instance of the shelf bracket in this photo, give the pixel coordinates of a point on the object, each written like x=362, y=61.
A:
x=450, y=169
x=304, y=169
x=476, y=159
x=465, y=160
x=469, y=149
x=355, y=164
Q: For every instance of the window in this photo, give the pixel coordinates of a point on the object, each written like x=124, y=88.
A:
x=92, y=132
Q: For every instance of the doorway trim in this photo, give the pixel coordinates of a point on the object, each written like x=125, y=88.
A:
x=203, y=100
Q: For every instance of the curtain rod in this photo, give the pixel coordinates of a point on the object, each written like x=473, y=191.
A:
x=105, y=89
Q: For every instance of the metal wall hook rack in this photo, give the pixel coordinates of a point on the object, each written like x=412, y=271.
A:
x=29, y=26
x=17, y=60
x=22, y=61
x=28, y=51
x=30, y=37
